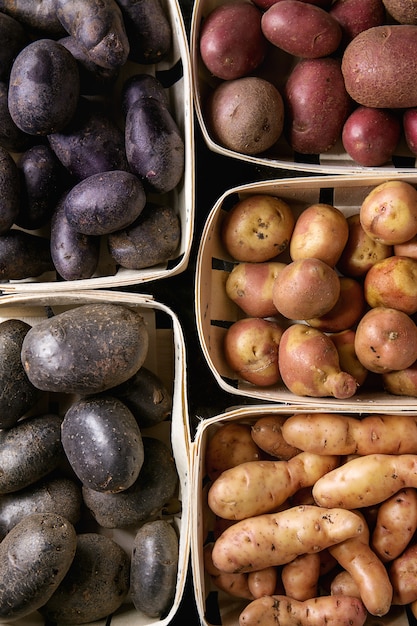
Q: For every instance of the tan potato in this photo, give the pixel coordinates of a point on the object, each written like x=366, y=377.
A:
x=408, y=248
x=250, y=286
x=366, y=480
x=335, y=433
x=267, y=434
x=385, y=340
x=277, y=538
x=392, y=282
x=401, y=382
x=367, y=570
x=344, y=585
x=300, y=577
x=329, y=610
x=306, y=288
x=388, y=214
x=346, y=312
x=321, y=231
x=230, y=445
x=396, y=523
x=263, y=582
x=257, y=228
x=361, y=252
x=345, y=345
x=261, y=486
x=403, y=11
x=403, y=575
x=235, y=585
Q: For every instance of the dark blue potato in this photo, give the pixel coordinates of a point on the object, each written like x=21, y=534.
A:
x=11, y=137
x=75, y=255
x=38, y=17
x=155, y=487
x=154, y=145
x=92, y=143
x=17, y=394
x=94, y=79
x=146, y=396
x=142, y=86
x=34, y=558
x=104, y=203
x=23, y=255
x=148, y=29
x=49, y=495
x=96, y=584
x=154, y=567
x=29, y=450
x=13, y=38
x=9, y=191
x=43, y=180
x=98, y=26
x=103, y=443
x=44, y=88
x=86, y=349
x=152, y=239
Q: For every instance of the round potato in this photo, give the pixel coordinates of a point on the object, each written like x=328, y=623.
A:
x=250, y=286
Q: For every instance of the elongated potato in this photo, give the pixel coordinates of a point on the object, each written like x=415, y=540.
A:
x=366, y=480
x=230, y=445
x=258, y=487
x=285, y=611
x=263, y=582
x=267, y=434
x=403, y=576
x=328, y=433
x=300, y=577
x=396, y=523
x=277, y=538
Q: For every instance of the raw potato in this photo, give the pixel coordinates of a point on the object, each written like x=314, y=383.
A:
x=277, y=538
x=396, y=523
x=300, y=577
x=339, y=434
x=35, y=15
x=257, y=487
x=392, y=282
x=257, y=228
x=378, y=57
x=264, y=582
x=347, y=311
x=250, y=286
x=23, y=255
x=403, y=573
x=231, y=445
x=285, y=611
x=38, y=544
x=403, y=11
x=267, y=434
x=366, y=480
x=246, y=114
x=10, y=194
x=148, y=30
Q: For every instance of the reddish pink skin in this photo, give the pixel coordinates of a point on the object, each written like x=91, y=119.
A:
x=231, y=41
x=370, y=135
x=301, y=29
x=410, y=129
x=354, y=16
x=402, y=382
x=265, y=4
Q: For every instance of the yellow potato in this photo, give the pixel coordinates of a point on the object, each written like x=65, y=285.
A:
x=328, y=433
x=230, y=445
x=278, y=538
x=366, y=480
x=285, y=611
x=344, y=585
x=263, y=582
x=262, y=486
x=300, y=577
x=396, y=523
x=403, y=575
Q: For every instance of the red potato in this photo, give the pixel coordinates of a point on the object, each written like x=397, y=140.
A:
x=395, y=525
x=251, y=350
x=306, y=288
x=265, y=4
x=321, y=231
x=317, y=105
x=349, y=362
x=392, y=282
x=361, y=252
x=346, y=312
x=401, y=382
x=354, y=16
x=408, y=248
x=250, y=286
x=309, y=364
x=403, y=11
x=231, y=41
x=301, y=29
x=267, y=434
x=385, y=340
x=370, y=136
x=388, y=214
x=300, y=577
x=285, y=611
x=230, y=445
x=257, y=228
x=410, y=128
x=403, y=573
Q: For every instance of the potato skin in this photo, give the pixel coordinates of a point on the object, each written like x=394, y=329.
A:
x=391, y=52
x=301, y=29
x=95, y=585
x=151, y=239
x=12, y=138
x=316, y=105
x=44, y=87
x=9, y=191
x=23, y=255
x=111, y=462
x=142, y=86
x=17, y=394
x=148, y=29
x=39, y=544
x=85, y=350
x=14, y=38
x=153, y=570
x=38, y=17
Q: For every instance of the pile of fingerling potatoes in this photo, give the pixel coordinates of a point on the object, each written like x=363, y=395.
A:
x=282, y=75
x=89, y=146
